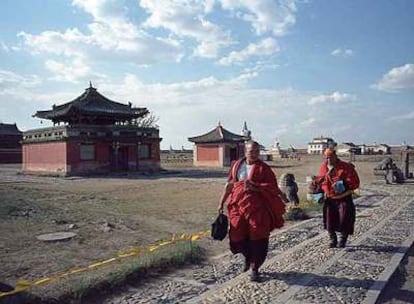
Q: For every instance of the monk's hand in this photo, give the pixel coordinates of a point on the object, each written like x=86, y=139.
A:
x=249, y=186
x=342, y=195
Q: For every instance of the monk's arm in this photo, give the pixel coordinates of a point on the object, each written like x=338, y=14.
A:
x=269, y=181
x=352, y=178
x=342, y=195
x=352, y=181
x=224, y=196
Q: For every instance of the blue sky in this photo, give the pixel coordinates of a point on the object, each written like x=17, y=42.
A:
x=292, y=69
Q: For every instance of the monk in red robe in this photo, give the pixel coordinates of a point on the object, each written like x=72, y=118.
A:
x=338, y=180
x=255, y=207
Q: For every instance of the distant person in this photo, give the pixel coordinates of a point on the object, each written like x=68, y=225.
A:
x=386, y=165
x=337, y=180
x=290, y=188
x=255, y=207
x=397, y=174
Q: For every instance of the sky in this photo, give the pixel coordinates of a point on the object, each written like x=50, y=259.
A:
x=292, y=69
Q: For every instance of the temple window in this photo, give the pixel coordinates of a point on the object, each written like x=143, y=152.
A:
x=145, y=151
x=87, y=152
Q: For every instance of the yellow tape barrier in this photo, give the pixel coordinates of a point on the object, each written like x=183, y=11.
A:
x=23, y=285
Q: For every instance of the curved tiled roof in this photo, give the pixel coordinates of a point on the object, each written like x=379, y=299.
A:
x=219, y=134
x=92, y=104
x=9, y=129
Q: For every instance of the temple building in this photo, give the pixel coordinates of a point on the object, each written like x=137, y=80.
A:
x=10, y=144
x=91, y=134
x=219, y=147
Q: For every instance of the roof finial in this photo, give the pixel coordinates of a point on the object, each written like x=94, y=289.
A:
x=219, y=124
x=90, y=84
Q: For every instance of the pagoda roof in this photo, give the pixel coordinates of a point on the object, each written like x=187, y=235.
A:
x=218, y=135
x=92, y=104
x=9, y=129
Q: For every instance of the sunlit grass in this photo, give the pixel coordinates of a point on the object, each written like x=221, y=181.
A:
x=102, y=281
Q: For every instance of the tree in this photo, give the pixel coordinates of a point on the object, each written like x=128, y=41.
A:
x=149, y=120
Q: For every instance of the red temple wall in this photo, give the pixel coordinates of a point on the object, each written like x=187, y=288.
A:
x=45, y=157
x=64, y=158
x=155, y=152
x=207, y=153
x=208, y=156
x=75, y=164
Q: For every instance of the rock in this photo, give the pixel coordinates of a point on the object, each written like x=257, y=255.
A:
x=56, y=236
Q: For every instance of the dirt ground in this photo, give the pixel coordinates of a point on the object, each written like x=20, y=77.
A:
x=113, y=213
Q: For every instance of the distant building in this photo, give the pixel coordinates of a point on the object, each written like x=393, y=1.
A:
x=218, y=148
x=176, y=155
x=375, y=149
x=10, y=144
x=97, y=135
x=319, y=144
x=276, y=152
x=348, y=149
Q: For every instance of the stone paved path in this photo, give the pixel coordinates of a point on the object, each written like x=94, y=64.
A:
x=300, y=268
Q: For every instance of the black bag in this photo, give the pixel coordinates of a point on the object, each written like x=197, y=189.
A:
x=219, y=227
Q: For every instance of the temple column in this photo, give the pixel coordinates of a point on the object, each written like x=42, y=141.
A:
x=138, y=154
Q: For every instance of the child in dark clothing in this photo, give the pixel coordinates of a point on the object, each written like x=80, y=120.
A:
x=290, y=188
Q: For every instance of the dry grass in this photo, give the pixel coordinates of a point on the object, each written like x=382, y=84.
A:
x=140, y=210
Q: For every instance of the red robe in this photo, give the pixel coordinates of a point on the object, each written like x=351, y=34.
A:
x=254, y=214
x=343, y=171
x=338, y=214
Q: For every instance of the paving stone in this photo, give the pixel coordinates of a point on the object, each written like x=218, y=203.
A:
x=300, y=267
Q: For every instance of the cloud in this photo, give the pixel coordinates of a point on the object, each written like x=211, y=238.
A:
x=165, y=94
x=18, y=85
x=73, y=71
x=397, y=79
x=342, y=53
x=261, y=65
x=4, y=47
x=69, y=43
x=265, y=16
x=402, y=117
x=191, y=108
x=265, y=47
x=111, y=38
x=202, y=103
x=308, y=122
x=22, y=91
x=106, y=11
x=105, y=41
x=187, y=19
x=335, y=97
x=170, y=29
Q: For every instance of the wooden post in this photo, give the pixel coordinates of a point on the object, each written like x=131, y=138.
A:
x=405, y=159
x=138, y=154
x=116, y=152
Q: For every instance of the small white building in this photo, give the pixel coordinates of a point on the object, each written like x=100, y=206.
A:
x=319, y=144
x=347, y=149
x=375, y=149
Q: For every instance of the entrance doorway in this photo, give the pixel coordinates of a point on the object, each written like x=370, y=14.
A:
x=118, y=158
x=123, y=158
